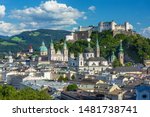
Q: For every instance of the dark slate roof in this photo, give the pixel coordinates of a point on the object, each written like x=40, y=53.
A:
x=88, y=50
x=97, y=59
x=125, y=69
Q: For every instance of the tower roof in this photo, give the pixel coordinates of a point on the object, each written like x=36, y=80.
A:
x=121, y=48
x=113, y=57
x=43, y=48
x=88, y=49
x=51, y=44
x=30, y=47
x=65, y=45
x=97, y=43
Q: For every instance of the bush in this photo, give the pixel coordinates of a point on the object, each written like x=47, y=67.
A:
x=72, y=87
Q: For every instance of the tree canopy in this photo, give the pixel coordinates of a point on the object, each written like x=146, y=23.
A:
x=72, y=87
x=10, y=93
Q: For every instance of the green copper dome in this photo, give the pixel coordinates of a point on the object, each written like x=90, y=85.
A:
x=89, y=49
x=43, y=48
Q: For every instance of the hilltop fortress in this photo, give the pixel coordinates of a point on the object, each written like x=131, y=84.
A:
x=85, y=32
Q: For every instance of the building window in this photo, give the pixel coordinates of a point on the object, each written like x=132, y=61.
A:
x=144, y=96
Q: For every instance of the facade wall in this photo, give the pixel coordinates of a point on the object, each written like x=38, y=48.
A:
x=114, y=26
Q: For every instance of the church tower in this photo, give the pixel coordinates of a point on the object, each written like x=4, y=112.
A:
x=80, y=60
x=113, y=57
x=10, y=58
x=30, y=49
x=52, y=51
x=97, y=51
x=65, y=52
x=121, y=54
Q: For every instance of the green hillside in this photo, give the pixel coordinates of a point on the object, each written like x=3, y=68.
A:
x=35, y=38
x=136, y=47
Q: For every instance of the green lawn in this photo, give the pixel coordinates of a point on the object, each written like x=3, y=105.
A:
x=34, y=34
x=17, y=39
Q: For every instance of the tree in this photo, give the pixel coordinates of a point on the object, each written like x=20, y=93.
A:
x=116, y=63
x=60, y=78
x=10, y=93
x=72, y=77
x=72, y=87
x=128, y=64
x=64, y=79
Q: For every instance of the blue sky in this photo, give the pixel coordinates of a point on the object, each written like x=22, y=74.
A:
x=19, y=15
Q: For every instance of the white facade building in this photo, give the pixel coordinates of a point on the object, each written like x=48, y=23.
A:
x=89, y=61
x=59, y=55
x=70, y=37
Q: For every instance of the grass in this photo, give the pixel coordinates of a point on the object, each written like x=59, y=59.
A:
x=17, y=39
x=34, y=34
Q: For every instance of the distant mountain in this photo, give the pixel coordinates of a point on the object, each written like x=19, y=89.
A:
x=34, y=38
x=4, y=37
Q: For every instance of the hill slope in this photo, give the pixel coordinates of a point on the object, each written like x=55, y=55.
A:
x=35, y=38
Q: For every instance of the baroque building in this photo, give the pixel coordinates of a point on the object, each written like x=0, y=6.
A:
x=51, y=54
x=88, y=61
x=59, y=55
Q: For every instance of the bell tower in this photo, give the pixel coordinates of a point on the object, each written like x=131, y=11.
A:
x=65, y=52
x=52, y=51
x=97, y=52
x=121, y=54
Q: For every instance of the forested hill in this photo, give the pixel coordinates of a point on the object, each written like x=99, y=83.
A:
x=35, y=38
x=136, y=47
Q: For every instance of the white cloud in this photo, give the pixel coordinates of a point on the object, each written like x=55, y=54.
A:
x=8, y=29
x=92, y=8
x=146, y=32
x=85, y=17
x=2, y=11
x=138, y=23
x=49, y=14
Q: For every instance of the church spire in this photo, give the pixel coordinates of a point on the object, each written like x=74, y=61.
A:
x=113, y=57
x=52, y=44
x=43, y=44
x=97, y=47
x=65, y=45
x=121, y=54
x=121, y=48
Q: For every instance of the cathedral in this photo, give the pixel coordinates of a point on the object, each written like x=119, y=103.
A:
x=52, y=55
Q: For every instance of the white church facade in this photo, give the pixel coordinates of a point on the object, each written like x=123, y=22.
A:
x=89, y=60
x=52, y=55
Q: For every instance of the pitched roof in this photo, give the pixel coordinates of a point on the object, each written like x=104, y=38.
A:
x=97, y=59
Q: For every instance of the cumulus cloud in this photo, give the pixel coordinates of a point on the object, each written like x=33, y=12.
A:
x=8, y=29
x=49, y=14
x=92, y=8
x=2, y=11
x=146, y=32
